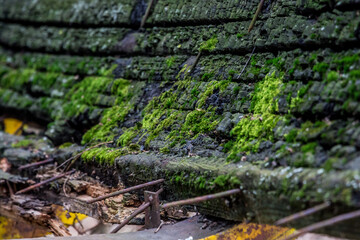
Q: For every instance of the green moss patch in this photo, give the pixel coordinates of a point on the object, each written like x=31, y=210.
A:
x=258, y=127
x=103, y=155
x=23, y=143
x=209, y=45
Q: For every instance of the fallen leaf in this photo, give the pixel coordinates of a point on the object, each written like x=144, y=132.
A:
x=5, y=165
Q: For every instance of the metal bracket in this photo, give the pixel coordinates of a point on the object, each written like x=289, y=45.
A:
x=152, y=213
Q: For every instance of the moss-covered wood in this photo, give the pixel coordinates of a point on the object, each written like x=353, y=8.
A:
x=281, y=122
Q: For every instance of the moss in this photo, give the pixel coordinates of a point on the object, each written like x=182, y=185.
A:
x=236, y=89
x=278, y=62
x=321, y=68
x=65, y=145
x=231, y=74
x=354, y=74
x=204, y=182
x=289, y=97
x=295, y=102
x=291, y=136
x=295, y=66
x=104, y=131
x=45, y=80
x=164, y=150
x=73, y=108
x=16, y=79
x=228, y=146
x=344, y=63
x=108, y=72
x=124, y=91
x=22, y=143
x=195, y=92
x=313, y=36
x=312, y=58
x=328, y=165
x=170, y=61
x=210, y=88
x=209, y=45
x=332, y=76
x=347, y=196
x=153, y=125
x=159, y=116
x=240, y=35
x=253, y=129
x=309, y=147
x=225, y=181
x=199, y=121
x=103, y=155
x=263, y=98
x=87, y=91
x=184, y=71
x=127, y=136
x=134, y=147
x=353, y=92
x=309, y=130
x=207, y=76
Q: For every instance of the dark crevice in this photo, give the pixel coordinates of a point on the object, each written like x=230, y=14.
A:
x=25, y=115
x=138, y=12
x=140, y=9
x=237, y=52
x=134, y=24
x=31, y=23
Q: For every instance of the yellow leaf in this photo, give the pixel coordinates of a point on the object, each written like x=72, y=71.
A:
x=252, y=231
x=12, y=125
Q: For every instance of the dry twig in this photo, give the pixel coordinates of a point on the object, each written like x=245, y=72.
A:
x=162, y=224
x=10, y=188
x=147, y=13
x=247, y=62
x=64, y=186
x=261, y=3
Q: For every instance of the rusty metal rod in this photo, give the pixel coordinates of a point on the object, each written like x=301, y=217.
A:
x=126, y=190
x=303, y=213
x=159, y=191
x=36, y=164
x=134, y=214
x=322, y=224
x=45, y=182
x=201, y=199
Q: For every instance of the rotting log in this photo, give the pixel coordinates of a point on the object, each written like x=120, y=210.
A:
x=265, y=206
